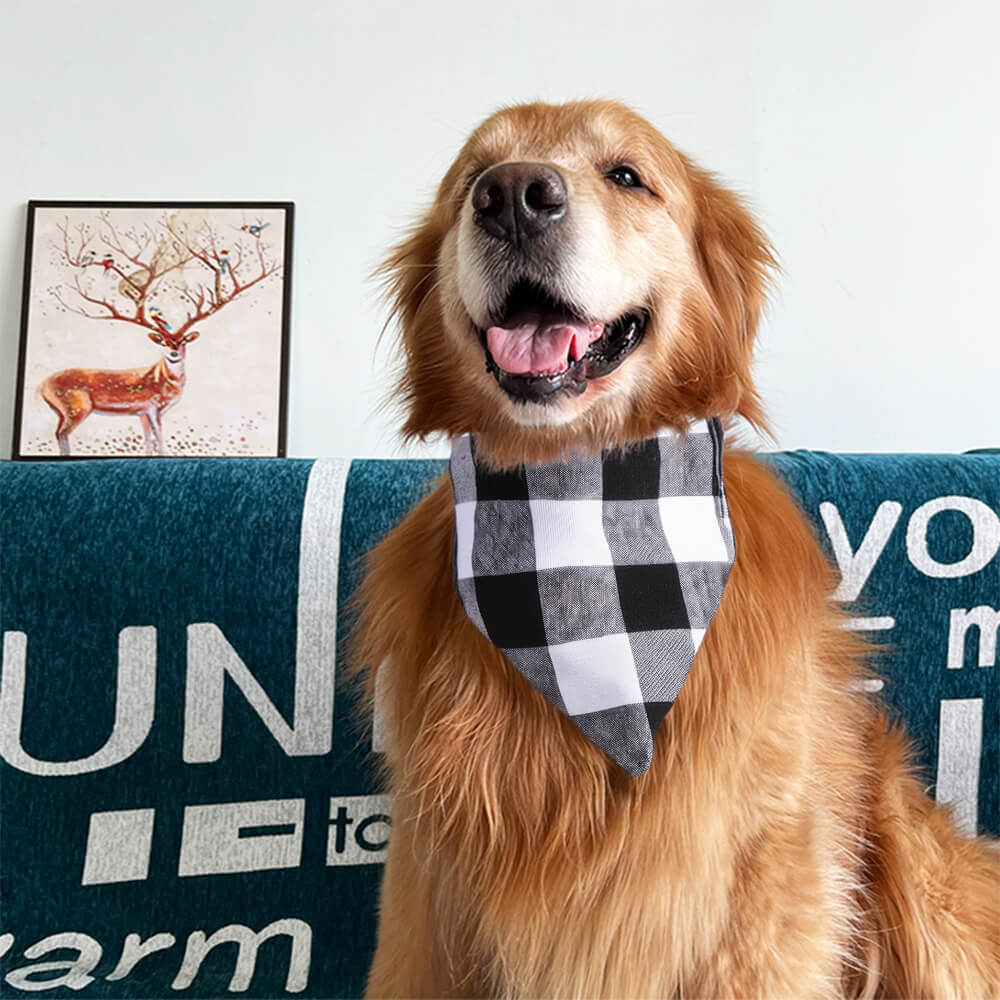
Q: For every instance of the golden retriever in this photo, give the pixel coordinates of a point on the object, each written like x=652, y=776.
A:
x=779, y=845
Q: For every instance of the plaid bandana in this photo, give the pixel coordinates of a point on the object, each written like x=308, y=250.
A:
x=598, y=577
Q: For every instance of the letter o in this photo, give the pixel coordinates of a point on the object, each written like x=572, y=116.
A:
x=985, y=537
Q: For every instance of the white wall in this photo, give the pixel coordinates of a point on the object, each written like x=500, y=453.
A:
x=864, y=133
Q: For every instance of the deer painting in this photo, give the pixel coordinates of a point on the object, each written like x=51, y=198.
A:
x=166, y=273
x=142, y=392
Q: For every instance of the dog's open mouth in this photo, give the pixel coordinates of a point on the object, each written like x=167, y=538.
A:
x=542, y=348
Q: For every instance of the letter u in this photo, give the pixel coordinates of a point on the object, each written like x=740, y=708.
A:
x=135, y=704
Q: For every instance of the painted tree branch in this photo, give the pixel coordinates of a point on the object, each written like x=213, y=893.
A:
x=143, y=251
x=113, y=312
x=112, y=240
x=85, y=237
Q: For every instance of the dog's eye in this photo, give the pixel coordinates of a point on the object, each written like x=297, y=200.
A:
x=624, y=176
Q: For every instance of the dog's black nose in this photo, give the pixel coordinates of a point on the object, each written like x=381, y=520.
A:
x=516, y=202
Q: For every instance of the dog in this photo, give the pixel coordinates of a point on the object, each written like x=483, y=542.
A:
x=779, y=845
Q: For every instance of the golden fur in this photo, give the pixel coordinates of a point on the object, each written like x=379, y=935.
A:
x=778, y=846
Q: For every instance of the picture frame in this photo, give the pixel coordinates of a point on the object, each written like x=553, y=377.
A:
x=115, y=293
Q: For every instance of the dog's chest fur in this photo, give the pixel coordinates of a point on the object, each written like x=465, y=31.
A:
x=528, y=830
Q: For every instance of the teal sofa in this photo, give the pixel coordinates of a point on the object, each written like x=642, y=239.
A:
x=186, y=783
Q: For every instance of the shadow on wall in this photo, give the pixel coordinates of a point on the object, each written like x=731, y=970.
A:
x=10, y=327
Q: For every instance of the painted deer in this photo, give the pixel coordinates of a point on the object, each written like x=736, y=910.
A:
x=143, y=392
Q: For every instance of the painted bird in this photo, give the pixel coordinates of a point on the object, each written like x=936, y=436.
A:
x=156, y=315
x=223, y=261
x=255, y=230
x=88, y=258
x=108, y=262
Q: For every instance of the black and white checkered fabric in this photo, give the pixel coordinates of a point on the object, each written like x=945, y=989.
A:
x=598, y=577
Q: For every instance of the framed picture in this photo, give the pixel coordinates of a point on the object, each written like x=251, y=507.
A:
x=154, y=329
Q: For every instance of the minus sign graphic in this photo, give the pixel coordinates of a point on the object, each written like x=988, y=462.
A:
x=267, y=830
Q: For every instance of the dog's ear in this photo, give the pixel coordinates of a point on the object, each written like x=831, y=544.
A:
x=736, y=263
x=410, y=279
x=409, y=273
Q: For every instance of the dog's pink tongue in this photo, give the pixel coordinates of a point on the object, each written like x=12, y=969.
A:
x=538, y=343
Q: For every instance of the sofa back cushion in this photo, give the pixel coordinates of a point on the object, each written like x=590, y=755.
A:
x=186, y=786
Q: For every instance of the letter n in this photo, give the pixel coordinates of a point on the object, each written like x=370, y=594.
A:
x=210, y=659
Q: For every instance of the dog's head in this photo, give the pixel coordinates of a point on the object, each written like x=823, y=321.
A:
x=577, y=284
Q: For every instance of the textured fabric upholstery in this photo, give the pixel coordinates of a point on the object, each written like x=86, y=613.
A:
x=184, y=765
